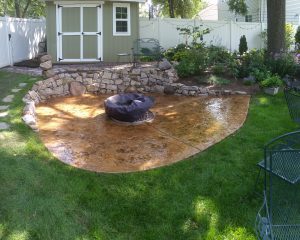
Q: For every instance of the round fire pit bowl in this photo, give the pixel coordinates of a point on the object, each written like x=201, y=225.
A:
x=130, y=108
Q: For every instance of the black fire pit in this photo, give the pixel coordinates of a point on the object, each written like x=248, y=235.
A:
x=129, y=108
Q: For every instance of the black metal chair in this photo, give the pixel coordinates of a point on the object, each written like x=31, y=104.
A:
x=292, y=96
x=279, y=217
x=146, y=47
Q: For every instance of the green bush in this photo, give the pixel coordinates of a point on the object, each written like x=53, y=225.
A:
x=218, y=55
x=218, y=80
x=219, y=68
x=243, y=47
x=260, y=75
x=221, y=61
x=289, y=36
x=248, y=62
x=297, y=36
x=194, y=62
x=284, y=65
x=171, y=52
x=271, y=81
x=186, y=68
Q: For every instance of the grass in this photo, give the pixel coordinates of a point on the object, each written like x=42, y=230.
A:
x=209, y=196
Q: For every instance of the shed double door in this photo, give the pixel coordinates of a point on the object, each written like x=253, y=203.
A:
x=79, y=37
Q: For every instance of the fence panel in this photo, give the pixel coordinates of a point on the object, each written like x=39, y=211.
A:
x=4, y=44
x=222, y=33
x=25, y=37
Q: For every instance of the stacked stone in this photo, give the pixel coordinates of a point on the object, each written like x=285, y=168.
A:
x=108, y=80
x=46, y=66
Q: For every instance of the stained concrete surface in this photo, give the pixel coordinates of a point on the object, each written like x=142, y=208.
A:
x=77, y=131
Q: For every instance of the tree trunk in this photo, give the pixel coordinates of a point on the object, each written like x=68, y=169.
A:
x=26, y=8
x=276, y=26
x=171, y=8
x=17, y=8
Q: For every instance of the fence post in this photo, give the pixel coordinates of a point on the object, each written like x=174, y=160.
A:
x=230, y=35
x=158, y=29
x=9, y=42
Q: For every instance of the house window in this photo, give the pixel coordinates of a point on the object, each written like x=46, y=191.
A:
x=248, y=18
x=121, y=19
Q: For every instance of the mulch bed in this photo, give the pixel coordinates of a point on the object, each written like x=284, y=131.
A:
x=31, y=63
x=233, y=85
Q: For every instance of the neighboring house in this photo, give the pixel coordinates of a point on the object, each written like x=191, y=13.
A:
x=257, y=11
x=83, y=31
x=210, y=12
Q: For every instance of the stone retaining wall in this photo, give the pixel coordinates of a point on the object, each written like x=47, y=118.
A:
x=145, y=78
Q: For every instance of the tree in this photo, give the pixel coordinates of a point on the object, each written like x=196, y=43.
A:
x=180, y=8
x=238, y=6
x=243, y=46
x=22, y=8
x=276, y=23
x=276, y=26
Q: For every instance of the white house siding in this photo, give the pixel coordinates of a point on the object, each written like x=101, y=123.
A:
x=225, y=15
x=258, y=10
x=209, y=13
x=292, y=11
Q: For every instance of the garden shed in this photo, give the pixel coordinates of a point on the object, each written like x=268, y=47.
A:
x=89, y=31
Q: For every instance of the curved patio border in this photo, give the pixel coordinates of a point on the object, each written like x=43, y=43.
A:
x=110, y=80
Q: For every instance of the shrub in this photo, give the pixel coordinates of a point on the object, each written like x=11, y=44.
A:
x=218, y=80
x=171, y=52
x=186, y=68
x=271, y=81
x=194, y=62
x=260, y=75
x=218, y=55
x=284, y=65
x=289, y=36
x=219, y=69
x=297, y=37
x=254, y=59
x=243, y=47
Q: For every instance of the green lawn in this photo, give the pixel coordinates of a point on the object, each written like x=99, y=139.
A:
x=209, y=196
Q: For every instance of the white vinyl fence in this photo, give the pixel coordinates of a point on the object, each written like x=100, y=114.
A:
x=222, y=33
x=19, y=39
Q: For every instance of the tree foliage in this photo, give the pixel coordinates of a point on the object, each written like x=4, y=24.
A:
x=22, y=8
x=180, y=8
x=238, y=6
x=243, y=46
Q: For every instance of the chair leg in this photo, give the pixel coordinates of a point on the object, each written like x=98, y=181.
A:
x=257, y=179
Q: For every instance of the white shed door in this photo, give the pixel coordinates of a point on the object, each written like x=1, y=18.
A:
x=79, y=36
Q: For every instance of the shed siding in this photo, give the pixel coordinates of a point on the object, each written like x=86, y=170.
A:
x=51, y=29
x=112, y=45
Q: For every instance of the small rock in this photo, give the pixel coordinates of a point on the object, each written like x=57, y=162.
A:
x=48, y=73
x=3, y=114
x=170, y=90
x=130, y=89
x=15, y=90
x=77, y=88
x=159, y=89
x=29, y=119
x=249, y=80
x=164, y=65
x=46, y=65
x=22, y=84
x=240, y=92
x=29, y=108
x=45, y=58
x=4, y=126
x=3, y=107
x=8, y=98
